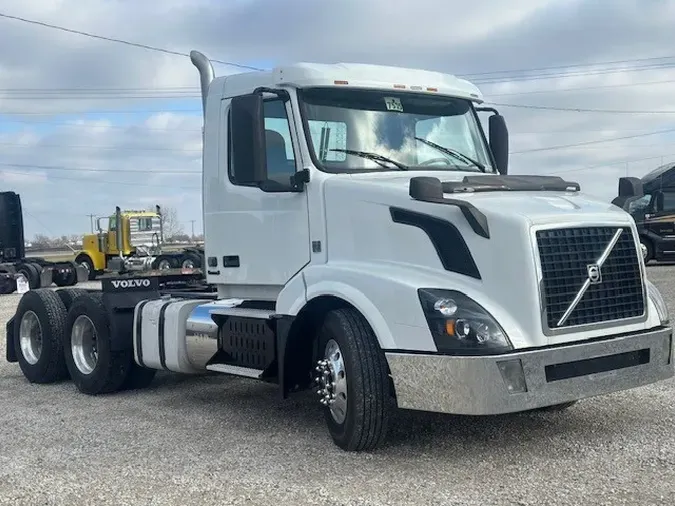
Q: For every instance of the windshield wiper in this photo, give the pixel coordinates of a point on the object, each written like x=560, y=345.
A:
x=373, y=156
x=453, y=153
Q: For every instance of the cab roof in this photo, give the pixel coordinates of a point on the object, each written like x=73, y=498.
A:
x=350, y=75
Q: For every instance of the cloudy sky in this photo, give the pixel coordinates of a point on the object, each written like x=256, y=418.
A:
x=587, y=86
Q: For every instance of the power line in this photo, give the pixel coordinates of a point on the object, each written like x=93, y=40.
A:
x=582, y=88
x=578, y=65
x=544, y=72
x=94, y=147
x=89, y=125
x=100, y=181
x=140, y=172
x=580, y=109
x=610, y=164
x=119, y=41
x=598, y=141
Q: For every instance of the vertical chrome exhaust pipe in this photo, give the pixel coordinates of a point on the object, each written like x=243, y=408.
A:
x=206, y=74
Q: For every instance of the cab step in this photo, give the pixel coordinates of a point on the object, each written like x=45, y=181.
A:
x=241, y=312
x=236, y=370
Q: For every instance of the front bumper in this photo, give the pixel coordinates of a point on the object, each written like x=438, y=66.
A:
x=520, y=381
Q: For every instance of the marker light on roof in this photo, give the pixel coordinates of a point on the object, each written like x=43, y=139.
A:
x=432, y=89
x=400, y=86
x=340, y=82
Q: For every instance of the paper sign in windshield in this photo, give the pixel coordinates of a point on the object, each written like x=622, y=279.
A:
x=393, y=104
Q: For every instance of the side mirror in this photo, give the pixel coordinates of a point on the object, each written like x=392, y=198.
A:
x=630, y=187
x=499, y=142
x=247, y=137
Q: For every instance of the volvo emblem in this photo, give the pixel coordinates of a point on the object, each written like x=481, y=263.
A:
x=594, y=274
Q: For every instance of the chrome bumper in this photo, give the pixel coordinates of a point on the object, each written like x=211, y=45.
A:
x=520, y=381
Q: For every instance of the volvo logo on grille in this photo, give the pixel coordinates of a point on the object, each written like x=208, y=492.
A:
x=594, y=277
x=594, y=274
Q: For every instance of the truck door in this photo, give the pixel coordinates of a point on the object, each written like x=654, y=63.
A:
x=112, y=235
x=262, y=236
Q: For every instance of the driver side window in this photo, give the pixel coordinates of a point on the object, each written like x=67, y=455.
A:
x=278, y=143
x=668, y=202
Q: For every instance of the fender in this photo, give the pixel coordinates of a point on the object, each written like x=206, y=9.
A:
x=386, y=294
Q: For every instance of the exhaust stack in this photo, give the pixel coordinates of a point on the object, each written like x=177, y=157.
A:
x=206, y=74
x=118, y=231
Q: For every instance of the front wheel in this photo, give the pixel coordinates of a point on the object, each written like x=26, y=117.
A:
x=353, y=381
x=647, y=249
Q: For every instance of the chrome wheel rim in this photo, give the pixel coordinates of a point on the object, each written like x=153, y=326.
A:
x=164, y=264
x=30, y=337
x=643, y=248
x=188, y=264
x=332, y=381
x=84, y=344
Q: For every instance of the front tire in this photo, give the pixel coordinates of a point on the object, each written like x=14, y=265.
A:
x=353, y=381
x=647, y=249
x=94, y=367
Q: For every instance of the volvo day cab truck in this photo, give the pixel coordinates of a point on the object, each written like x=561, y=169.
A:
x=366, y=242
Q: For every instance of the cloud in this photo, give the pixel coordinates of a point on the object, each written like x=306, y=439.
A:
x=136, y=140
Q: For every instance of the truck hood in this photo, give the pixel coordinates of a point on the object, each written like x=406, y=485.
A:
x=362, y=228
x=534, y=207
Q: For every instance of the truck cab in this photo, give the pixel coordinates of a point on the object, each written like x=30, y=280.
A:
x=650, y=200
x=365, y=240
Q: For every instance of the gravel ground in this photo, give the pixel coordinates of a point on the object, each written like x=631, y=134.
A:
x=222, y=440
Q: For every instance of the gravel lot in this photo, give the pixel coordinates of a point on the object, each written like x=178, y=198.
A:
x=222, y=440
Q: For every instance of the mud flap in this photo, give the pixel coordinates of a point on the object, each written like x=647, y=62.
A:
x=82, y=273
x=10, y=352
x=46, y=277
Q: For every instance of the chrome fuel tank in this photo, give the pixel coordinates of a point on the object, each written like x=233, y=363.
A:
x=201, y=332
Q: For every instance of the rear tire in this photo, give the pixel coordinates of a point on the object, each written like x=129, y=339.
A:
x=191, y=260
x=68, y=295
x=31, y=274
x=68, y=278
x=93, y=366
x=358, y=379
x=38, y=336
x=86, y=262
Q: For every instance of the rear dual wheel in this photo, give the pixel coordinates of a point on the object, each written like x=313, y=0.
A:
x=39, y=328
x=60, y=335
x=94, y=367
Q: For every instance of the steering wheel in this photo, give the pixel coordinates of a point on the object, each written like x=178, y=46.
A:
x=434, y=160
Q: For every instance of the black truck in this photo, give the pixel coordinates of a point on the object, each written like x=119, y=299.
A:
x=37, y=271
x=650, y=200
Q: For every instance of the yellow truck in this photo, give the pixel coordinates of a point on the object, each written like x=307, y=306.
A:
x=138, y=246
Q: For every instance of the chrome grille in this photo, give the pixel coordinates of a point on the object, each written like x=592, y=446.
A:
x=586, y=279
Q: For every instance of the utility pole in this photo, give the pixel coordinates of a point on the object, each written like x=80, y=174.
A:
x=192, y=238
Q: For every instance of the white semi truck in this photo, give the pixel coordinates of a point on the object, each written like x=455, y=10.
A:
x=365, y=241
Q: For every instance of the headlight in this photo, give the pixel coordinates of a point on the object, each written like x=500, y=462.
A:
x=460, y=325
x=658, y=301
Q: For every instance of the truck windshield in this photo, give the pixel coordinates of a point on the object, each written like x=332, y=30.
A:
x=355, y=130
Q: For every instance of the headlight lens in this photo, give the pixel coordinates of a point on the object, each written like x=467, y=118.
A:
x=460, y=325
x=658, y=301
